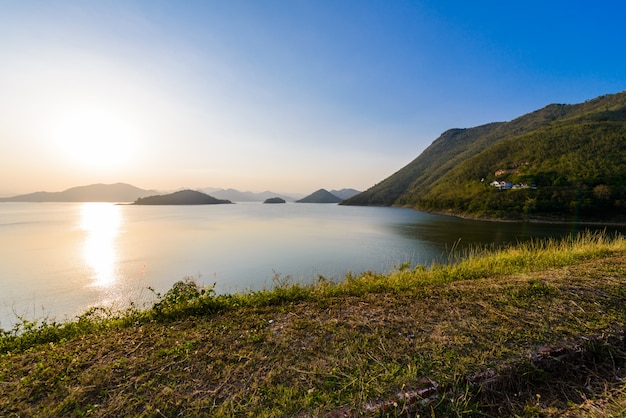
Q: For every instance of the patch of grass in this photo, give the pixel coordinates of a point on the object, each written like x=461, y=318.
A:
x=482, y=336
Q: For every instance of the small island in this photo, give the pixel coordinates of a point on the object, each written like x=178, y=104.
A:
x=274, y=200
x=183, y=197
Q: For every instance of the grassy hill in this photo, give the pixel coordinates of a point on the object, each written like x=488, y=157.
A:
x=534, y=330
x=575, y=155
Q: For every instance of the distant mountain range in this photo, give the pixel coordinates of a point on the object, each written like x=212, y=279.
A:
x=118, y=192
x=122, y=192
x=561, y=162
x=324, y=196
x=182, y=197
x=237, y=196
x=344, y=194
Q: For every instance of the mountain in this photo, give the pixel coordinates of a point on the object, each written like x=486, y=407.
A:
x=567, y=161
x=182, y=197
x=320, y=196
x=118, y=192
x=345, y=193
x=237, y=196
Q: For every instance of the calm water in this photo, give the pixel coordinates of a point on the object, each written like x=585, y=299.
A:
x=59, y=259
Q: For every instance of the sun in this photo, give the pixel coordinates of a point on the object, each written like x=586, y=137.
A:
x=95, y=138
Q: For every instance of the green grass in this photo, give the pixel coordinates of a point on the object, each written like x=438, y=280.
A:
x=481, y=336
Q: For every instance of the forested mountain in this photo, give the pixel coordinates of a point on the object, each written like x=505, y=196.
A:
x=562, y=161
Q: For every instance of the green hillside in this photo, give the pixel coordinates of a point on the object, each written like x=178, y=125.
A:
x=565, y=161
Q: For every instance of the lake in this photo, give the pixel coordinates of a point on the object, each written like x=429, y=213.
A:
x=59, y=259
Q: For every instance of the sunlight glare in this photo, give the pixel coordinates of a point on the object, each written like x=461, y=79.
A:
x=101, y=222
x=95, y=138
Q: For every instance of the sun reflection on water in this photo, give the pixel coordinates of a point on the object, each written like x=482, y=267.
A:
x=101, y=222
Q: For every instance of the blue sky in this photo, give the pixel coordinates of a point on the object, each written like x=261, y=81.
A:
x=288, y=95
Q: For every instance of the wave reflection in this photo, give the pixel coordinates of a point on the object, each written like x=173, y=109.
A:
x=101, y=222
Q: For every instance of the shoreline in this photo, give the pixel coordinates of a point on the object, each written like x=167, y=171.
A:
x=538, y=220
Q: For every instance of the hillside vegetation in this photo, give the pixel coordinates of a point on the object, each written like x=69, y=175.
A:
x=568, y=160
x=533, y=330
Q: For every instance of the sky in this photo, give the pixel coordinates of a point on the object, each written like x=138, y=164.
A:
x=280, y=95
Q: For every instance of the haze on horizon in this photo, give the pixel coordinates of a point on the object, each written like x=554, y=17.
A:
x=287, y=96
